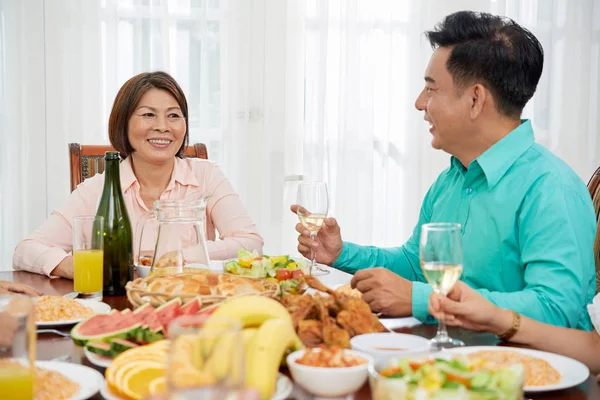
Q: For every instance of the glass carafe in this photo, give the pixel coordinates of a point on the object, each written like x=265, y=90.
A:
x=180, y=236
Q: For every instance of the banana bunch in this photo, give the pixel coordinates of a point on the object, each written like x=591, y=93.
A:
x=267, y=334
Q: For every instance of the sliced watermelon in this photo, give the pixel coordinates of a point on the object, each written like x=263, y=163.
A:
x=143, y=310
x=191, y=307
x=118, y=346
x=101, y=348
x=151, y=330
x=168, y=311
x=103, y=328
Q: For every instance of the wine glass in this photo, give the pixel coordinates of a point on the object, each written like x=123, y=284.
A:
x=442, y=264
x=313, y=204
x=206, y=359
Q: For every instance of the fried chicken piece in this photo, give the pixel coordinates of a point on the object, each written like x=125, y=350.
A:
x=356, y=317
x=310, y=332
x=328, y=302
x=317, y=284
x=298, y=306
x=333, y=335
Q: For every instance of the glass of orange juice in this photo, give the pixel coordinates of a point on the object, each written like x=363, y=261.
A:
x=17, y=347
x=88, y=256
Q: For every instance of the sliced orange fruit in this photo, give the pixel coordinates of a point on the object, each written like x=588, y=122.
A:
x=135, y=380
x=158, y=385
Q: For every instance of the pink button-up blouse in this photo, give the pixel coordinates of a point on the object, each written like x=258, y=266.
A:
x=47, y=246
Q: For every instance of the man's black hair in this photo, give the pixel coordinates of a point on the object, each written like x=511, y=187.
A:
x=494, y=51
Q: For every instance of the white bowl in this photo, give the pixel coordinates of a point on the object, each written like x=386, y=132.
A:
x=383, y=346
x=329, y=382
x=143, y=270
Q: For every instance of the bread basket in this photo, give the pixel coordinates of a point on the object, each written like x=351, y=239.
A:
x=210, y=287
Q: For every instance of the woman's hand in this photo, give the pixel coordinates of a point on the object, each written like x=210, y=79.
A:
x=11, y=287
x=8, y=327
x=466, y=308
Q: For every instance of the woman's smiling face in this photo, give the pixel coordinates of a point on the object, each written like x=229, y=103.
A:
x=156, y=129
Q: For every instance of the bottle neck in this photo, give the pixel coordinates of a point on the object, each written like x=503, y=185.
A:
x=111, y=175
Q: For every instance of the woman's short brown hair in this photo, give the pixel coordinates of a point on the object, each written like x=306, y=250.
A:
x=128, y=98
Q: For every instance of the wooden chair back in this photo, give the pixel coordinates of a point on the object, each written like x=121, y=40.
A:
x=594, y=188
x=88, y=160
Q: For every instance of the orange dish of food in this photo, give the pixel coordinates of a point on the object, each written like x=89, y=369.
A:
x=58, y=308
x=538, y=372
x=332, y=357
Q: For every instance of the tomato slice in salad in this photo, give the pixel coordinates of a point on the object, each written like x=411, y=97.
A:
x=283, y=274
x=297, y=274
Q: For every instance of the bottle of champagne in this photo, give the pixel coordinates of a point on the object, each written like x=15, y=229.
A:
x=118, y=237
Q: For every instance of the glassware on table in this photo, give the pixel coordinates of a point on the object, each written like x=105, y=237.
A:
x=88, y=256
x=175, y=232
x=441, y=255
x=313, y=205
x=17, y=347
x=205, y=362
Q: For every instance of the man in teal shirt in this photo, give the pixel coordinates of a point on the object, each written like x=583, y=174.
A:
x=527, y=219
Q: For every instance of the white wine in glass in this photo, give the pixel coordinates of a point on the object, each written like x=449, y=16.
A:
x=313, y=204
x=441, y=255
x=442, y=277
x=312, y=222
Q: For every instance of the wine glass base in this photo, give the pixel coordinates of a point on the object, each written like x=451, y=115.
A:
x=318, y=271
x=444, y=342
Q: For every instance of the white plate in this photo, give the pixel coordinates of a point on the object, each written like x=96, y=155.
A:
x=96, y=359
x=283, y=389
x=573, y=372
x=90, y=381
x=97, y=306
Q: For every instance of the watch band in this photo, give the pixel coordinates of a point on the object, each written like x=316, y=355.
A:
x=510, y=332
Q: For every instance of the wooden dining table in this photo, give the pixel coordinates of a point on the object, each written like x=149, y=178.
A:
x=50, y=346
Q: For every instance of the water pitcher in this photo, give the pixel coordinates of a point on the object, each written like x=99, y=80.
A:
x=180, y=236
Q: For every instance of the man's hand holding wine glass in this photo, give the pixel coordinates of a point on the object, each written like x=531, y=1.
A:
x=328, y=243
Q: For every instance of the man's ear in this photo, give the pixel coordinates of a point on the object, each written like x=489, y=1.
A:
x=478, y=96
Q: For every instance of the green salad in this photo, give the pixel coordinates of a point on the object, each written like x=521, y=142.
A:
x=444, y=379
x=286, y=271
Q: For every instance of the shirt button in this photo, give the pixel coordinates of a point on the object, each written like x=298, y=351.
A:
x=468, y=190
x=430, y=318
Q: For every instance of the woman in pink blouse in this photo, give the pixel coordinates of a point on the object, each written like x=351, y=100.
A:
x=149, y=126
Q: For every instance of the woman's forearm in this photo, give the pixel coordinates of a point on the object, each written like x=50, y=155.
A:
x=580, y=345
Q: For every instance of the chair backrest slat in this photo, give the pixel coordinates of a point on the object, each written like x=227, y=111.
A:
x=88, y=160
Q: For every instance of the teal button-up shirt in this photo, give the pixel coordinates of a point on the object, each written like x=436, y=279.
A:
x=528, y=232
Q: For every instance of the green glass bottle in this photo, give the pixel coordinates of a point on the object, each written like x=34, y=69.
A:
x=118, y=237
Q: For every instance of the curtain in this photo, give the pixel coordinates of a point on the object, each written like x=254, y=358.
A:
x=364, y=69
x=280, y=91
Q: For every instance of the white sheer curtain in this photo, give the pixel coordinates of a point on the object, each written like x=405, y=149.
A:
x=364, y=67
x=279, y=90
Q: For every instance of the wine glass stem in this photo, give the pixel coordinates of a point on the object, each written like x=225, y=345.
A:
x=442, y=331
x=313, y=253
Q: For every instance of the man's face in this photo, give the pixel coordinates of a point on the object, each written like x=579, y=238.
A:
x=446, y=109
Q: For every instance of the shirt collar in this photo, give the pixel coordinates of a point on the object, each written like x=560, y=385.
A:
x=182, y=173
x=501, y=156
x=127, y=176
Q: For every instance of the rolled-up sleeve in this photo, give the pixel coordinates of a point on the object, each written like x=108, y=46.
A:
x=48, y=245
